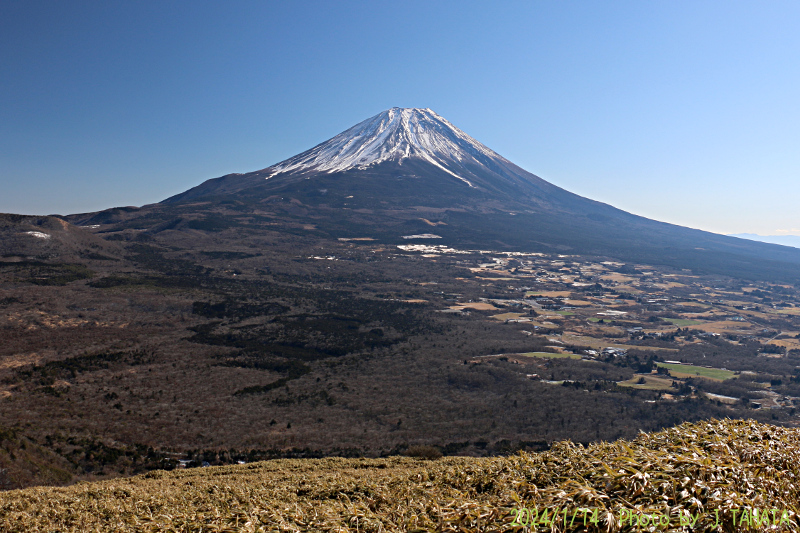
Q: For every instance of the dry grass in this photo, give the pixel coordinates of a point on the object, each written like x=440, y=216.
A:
x=549, y=355
x=693, y=469
x=725, y=326
x=789, y=344
x=507, y=316
x=578, y=303
x=479, y=306
x=650, y=382
x=618, y=278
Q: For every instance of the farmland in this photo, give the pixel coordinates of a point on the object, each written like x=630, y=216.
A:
x=683, y=322
x=647, y=382
x=681, y=371
x=547, y=355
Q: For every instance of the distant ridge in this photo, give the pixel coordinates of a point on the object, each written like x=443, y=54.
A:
x=783, y=240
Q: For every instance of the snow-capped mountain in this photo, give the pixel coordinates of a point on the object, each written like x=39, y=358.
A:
x=415, y=144
x=411, y=135
x=409, y=172
x=395, y=135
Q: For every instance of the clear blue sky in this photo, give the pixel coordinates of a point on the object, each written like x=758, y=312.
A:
x=682, y=111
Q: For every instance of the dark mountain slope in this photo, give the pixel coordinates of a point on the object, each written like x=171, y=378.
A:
x=50, y=238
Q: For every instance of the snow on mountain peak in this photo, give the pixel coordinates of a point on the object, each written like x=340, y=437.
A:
x=395, y=134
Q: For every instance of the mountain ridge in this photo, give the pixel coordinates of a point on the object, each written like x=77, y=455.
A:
x=782, y=240
x=416, y=166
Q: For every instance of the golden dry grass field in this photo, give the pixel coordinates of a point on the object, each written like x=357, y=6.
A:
x=619, y=278
x=507, y=316
x=718, y=475
x=478, y=306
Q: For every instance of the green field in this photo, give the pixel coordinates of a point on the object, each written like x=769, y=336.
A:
x=691, y=371
x=548, y=355
x=683, y=322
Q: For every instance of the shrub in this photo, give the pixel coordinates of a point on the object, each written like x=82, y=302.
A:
x=424, y=452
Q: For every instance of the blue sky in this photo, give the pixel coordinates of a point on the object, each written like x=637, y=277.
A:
x=686, y=112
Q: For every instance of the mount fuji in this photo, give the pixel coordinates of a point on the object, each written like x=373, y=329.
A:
x=410, y=171
x=404, y=153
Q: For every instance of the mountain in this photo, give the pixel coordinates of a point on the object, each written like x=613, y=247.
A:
x=49, y=238
x=408, y=152
x=407, y=172
x=783, y=240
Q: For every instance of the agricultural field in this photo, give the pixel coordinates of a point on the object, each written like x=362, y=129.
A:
x=647, y=382
x=507, y=316
x=683, y=322
x=683, y=371
x=548, y=355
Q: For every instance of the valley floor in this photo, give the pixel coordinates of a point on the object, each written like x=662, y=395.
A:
x=129, y=350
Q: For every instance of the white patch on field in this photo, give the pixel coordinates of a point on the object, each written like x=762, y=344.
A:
x=38, y=234
x=422, y=236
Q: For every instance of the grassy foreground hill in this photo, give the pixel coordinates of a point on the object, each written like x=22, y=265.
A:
x=717, y=475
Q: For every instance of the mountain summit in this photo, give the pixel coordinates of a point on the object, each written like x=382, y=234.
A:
x=395, y=135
